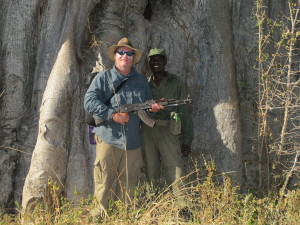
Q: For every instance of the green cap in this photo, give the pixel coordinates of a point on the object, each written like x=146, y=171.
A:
x=156, y=51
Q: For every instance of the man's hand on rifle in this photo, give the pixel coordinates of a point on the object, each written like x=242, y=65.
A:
x=121, y=118
x=156, y=107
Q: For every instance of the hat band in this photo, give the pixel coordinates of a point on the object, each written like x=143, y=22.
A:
x=125, y=43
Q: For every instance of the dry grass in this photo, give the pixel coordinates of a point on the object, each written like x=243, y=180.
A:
x=205, y=200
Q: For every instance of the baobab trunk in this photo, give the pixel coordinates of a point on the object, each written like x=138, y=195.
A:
x=48, y=52
x=55, y=141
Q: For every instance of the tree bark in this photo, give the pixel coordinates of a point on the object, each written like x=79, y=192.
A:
x=56, y=148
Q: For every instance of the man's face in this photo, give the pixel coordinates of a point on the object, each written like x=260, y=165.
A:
x=124, y=61
x=157, y=63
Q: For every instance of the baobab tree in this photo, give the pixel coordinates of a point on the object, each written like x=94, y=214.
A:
x=49, y=49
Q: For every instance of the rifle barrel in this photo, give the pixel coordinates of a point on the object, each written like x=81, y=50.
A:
x=148, y=104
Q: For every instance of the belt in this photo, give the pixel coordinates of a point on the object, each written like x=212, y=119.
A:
x=162, y=123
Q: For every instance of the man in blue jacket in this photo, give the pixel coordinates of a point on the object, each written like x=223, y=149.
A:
x=118, y=145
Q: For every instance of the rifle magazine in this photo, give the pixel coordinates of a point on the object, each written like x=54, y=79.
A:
x=146, y=119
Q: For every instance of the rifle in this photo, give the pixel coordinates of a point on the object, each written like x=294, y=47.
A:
x=141, y=107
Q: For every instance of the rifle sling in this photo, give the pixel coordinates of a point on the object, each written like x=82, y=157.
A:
x=116, y=90
x=107, y=102
x=93, y=121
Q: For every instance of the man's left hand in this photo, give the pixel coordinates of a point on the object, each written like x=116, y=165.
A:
x=156, y=107
x=185, y=150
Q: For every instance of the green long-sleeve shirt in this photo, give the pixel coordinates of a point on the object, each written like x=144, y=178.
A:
x=172, y=87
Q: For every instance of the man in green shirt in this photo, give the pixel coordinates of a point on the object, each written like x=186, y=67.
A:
x=168, y=140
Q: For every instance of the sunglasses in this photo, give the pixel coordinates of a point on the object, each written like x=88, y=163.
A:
x=127, y=53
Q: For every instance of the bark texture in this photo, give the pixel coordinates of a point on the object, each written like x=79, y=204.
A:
x=48, y=49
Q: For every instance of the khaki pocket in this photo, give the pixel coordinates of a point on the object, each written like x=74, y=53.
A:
x=98, y=150
x=97, y=139
x=98, y=174
x=97, y=162
x=175, y=127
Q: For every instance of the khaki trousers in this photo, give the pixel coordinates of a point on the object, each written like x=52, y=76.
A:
x=161, y=148
x=114, y=165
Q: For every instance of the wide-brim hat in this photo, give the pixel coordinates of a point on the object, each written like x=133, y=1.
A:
x=124, y=42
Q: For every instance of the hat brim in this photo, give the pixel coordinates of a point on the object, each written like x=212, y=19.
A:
x=137, y=53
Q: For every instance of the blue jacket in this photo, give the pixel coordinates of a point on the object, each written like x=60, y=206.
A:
x=136, y=89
